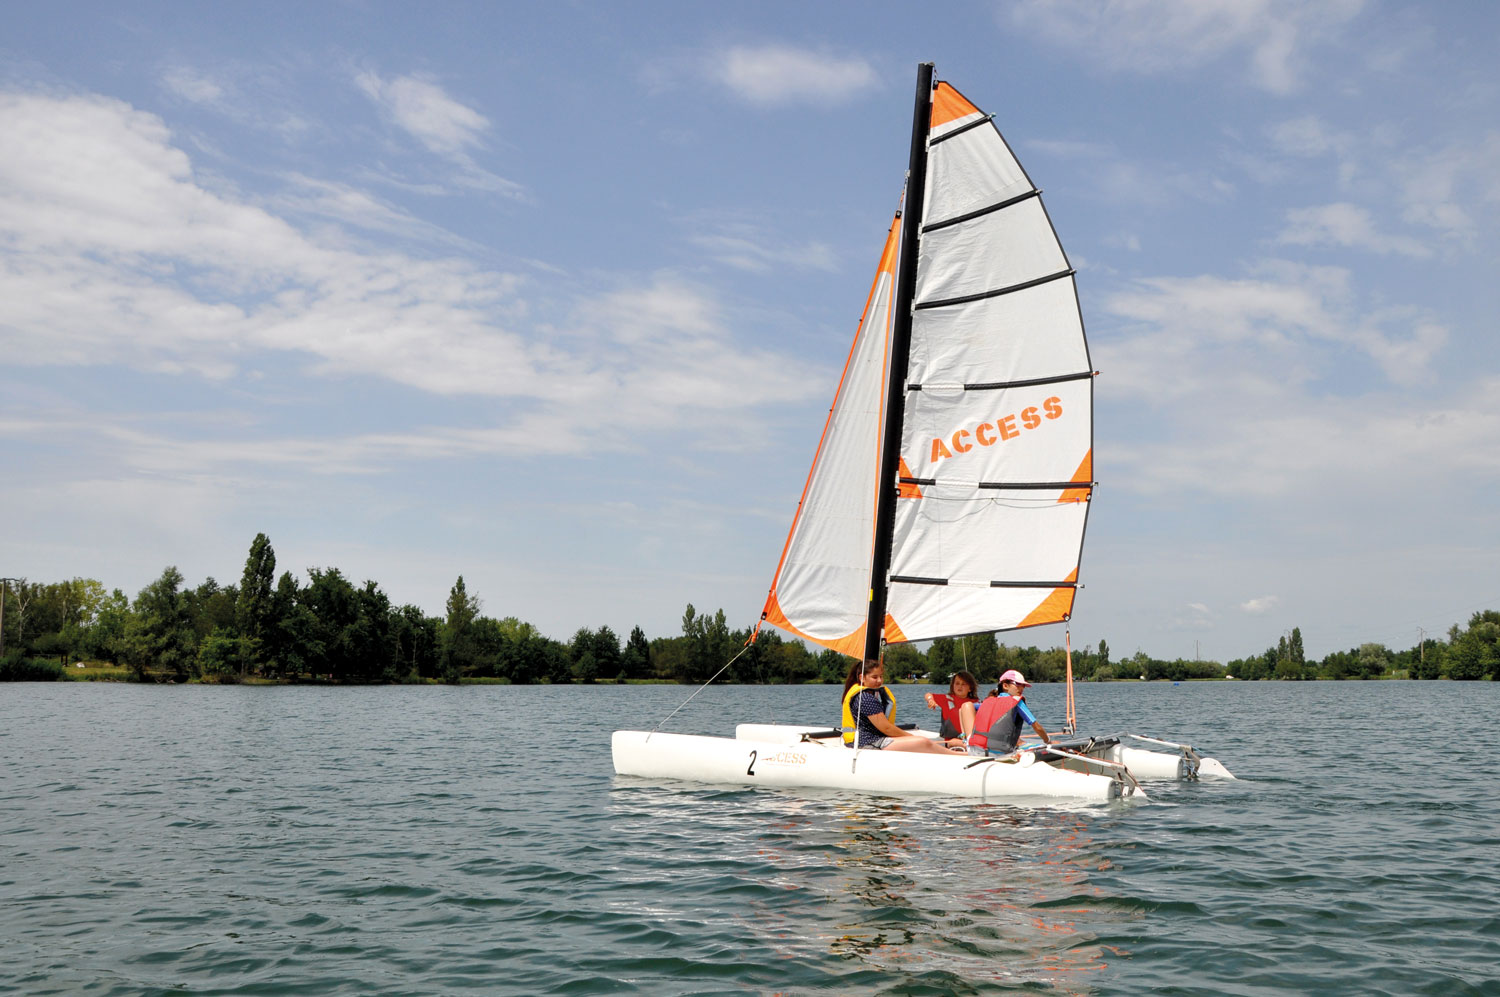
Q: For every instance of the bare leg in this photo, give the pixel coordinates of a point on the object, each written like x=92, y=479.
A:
x=918, y=743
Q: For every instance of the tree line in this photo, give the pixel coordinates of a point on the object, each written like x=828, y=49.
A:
x=280, y=628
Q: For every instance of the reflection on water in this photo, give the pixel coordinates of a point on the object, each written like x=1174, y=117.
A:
x=981, y=892
x=956, y=895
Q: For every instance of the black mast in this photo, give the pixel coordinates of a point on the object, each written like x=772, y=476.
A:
x=887, y=486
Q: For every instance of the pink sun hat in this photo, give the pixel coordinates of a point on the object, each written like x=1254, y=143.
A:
x=1014, y=676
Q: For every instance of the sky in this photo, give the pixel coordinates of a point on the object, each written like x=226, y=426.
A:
x=555, y=296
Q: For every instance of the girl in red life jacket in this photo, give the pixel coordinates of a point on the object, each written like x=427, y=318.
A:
x=961, y=689
x=994, y=728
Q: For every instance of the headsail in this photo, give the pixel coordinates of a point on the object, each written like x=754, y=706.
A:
x=822, y=585
x=996, y=434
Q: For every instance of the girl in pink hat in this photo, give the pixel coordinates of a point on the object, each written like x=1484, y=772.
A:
x=994, y=727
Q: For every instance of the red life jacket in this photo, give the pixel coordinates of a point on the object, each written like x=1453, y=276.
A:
x=948, y=706
x=991, y=712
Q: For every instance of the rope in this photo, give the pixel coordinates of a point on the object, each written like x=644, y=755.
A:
x=705, y=685
x=1070, y=708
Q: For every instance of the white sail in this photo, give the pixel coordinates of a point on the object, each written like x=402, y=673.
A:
x=996, y=440
x=821, y=590
x=997, y=437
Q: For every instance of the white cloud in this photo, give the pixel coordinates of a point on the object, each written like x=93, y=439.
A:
x=782, y=74
x=1255, y=332
x=1158, y=36
x=745, y=248
x=192, y=85
x=1116, y=180
x=1444, y=188
x=1310, y=136
x=1193, y=616
x=443, y=125
x=1344, y=224
x=112, y=252
x=1267, y=389
x=420, y=106
x=1260, y=605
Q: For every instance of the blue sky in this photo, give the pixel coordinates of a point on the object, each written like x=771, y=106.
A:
x=555, y=296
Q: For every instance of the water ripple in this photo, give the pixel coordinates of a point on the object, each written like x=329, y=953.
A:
x=391, y=841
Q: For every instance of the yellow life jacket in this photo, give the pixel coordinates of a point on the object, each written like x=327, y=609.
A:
x=848, y=717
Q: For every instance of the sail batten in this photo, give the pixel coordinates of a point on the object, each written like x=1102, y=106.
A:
x=954, y=133
x=1002, y=385
x=995, y=292
x=981, y=212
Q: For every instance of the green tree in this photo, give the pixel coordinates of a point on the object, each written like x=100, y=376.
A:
x=707, y=646
x=1340, y=664
x=219, y=657
x=101, y=637
x=1426, y=659
x=942, y=660
x=288, y=635
x=416, y=637
x=832, y=666
x=605, y=646
x=160, y=631
x=902, y=660
x=1374, y=661
x=635, y=660
x=582, y=664
x=20, y=598
x=1294, y=648
x=372, y=640
x=1475, y=652
x=210, y=607
x=253, y=605
x=979, y=653
x=333, y=612
x=456, y=652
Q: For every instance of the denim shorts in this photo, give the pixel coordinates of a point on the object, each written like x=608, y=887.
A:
x=877, y=744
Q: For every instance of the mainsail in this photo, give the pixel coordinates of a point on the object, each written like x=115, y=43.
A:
x=992, y=414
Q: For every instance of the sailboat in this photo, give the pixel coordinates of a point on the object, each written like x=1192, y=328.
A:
x=950, y=490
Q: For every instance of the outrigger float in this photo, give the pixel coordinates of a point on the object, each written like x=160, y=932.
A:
x=950, y=490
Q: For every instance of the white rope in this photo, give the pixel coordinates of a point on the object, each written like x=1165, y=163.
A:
x=705, y=685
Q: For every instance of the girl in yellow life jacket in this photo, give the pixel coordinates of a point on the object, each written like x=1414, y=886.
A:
x=870, y=708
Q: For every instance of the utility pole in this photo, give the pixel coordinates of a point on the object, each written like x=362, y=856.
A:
x=3, y=583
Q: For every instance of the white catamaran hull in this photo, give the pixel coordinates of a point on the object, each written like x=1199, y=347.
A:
x=788, y=761
x=1150, y=758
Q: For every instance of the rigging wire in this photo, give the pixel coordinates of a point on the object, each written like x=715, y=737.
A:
x=705, y=685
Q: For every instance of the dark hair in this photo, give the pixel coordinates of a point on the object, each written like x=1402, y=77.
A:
x=858, y=668
x=967, y=677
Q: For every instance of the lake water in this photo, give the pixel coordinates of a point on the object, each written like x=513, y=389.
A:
x=475, y=840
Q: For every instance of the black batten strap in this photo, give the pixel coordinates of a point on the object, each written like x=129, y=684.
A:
x=886, y=488
x=1030, y=382
x=997, y=292
x=981, y=212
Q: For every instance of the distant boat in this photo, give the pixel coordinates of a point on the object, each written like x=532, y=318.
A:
x=950, y=489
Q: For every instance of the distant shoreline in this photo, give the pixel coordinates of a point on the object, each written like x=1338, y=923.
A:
x=94, y=671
